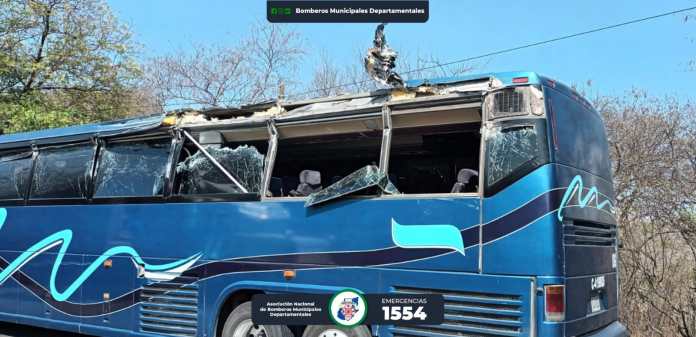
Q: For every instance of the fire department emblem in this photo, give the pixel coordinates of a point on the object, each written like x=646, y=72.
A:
x=348, y=308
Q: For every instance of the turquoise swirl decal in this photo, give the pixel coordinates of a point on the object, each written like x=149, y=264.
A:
x=3, y=216
x=63, y=238
x=577, y=187
x=427, y=236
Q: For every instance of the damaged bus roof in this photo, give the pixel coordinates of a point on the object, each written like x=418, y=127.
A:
x=437, y=91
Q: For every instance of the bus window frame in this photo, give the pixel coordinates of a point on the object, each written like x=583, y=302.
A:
x=271, y=166
x=269, y=161
x=212, y=197
x=478, y=193
x=104, y=142
x=489, y=121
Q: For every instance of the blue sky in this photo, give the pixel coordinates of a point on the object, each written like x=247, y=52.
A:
x=652, y=55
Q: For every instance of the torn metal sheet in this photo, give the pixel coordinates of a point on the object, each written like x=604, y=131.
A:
x=200, y=176
x=366, y=177
x=380, y=61
x=341, y=105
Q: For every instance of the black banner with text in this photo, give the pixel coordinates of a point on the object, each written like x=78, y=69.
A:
x=342, y=11
x=348, y=308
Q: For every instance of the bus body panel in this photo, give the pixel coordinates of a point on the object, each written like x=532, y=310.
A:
x=526, y=209
x=163, y=233
x=511, y=295
x=589, y=231
x=221, y=230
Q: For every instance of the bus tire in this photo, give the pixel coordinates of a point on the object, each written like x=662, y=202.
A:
x=239, y=324
x=334, y=331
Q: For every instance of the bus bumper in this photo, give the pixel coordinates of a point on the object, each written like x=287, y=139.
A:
x=615, y=329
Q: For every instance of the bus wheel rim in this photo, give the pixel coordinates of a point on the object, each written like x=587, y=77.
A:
x=333, y=333
x=246, y=328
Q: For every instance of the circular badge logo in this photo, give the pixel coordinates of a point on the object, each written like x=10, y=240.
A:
x=348, y=308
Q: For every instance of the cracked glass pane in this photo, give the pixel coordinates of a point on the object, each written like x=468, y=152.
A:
x=200, y=176
x=14, y=175
x=62, y=172
x=366, y=177
x=132, y=169
x=508, y=149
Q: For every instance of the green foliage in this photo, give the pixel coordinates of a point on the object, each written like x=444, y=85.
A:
x=32, y=113
x=63, y=62
x=63, y=45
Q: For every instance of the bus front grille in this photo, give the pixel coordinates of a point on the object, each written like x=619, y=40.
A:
x=469, y=314
x=170, y=308
x=583, y=233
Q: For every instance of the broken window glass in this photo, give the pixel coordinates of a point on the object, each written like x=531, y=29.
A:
x=133, y=169
x=198, y=175
x=62, y=172
x=509, y=148
x=366, y=177
x=14, y=175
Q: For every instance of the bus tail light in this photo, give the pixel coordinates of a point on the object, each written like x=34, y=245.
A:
x=554, y=307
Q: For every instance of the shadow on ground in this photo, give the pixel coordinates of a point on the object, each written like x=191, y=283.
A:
x=14, y=330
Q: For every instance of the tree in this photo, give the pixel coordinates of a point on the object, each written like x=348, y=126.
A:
x=65, y=55
x=206, y=76
x=68, y=45
x=248, y=72
x=653, y=149
x=327, y=79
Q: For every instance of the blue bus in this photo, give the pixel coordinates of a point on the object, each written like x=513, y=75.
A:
x=492, y=190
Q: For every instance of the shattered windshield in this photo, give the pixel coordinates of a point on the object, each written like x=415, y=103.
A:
x=366, y=177
x=200, y=176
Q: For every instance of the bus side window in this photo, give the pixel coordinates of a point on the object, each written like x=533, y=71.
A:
x=197, y=174
x=435, y=159
x=307, y=164
x=14, y=175
x=132, y=169
x=62, y=172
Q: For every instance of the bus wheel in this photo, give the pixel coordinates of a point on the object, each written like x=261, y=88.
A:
x=333, y=331
x=239, y=324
